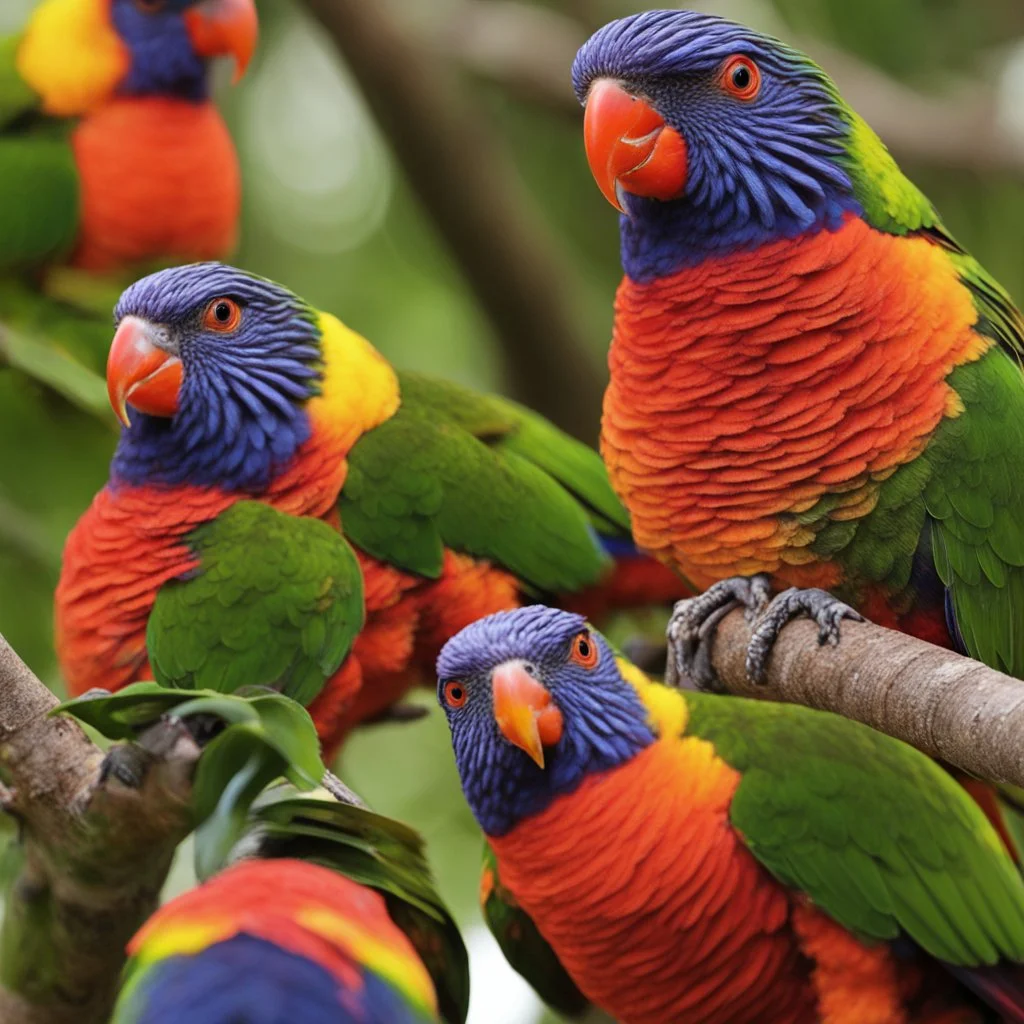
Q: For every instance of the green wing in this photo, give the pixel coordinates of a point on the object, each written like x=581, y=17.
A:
x=276, y=601
x=39, y=204
x=526, y=950
x=874, y=832
x=478, y=474
x=963, y=496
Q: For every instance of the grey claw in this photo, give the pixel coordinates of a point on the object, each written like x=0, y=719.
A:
x=128, y=763
x=691, y=630
x=827, y=611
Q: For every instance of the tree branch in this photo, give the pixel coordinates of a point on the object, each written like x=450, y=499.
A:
x=470, y=189
x=530, y=50
x=951, y=707
x=94, y=855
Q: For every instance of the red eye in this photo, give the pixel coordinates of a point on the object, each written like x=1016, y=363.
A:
x=583, y=650
x=741, y=78
x=223, y=316
x=454, y=694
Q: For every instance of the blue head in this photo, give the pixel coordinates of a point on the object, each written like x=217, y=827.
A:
x=217, y=365
x=170, y=42
x=252, y=980
x=709, y=137
x=535, y=703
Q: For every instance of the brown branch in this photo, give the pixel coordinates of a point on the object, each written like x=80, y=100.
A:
x=949, y=706
x=95, y=853
x=470, y=189
x=530, y=50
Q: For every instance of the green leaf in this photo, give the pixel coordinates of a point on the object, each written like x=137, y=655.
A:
x=58, y=370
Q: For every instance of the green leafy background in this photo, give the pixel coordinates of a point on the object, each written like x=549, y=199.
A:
x=327, y=213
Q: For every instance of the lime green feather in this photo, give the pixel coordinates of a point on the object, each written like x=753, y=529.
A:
x=276, y=601
x=17, y=98
x=477, y=474
x=874, y=832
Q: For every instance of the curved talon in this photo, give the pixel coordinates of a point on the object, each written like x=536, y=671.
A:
x=691, y=630
x=827, y=611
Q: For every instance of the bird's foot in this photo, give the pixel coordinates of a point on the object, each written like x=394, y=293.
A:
x=827, y=611
x=691, y=630
x=128, y=763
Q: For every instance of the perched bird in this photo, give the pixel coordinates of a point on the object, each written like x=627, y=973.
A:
x=275, y=942
x=235, y=392
x=810, y=378
x=111, y=151
x=700, y=858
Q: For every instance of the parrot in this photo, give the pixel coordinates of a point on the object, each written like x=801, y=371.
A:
x=324, y=912
x=810, y=379
x=112, y=154
x=285, y=509
x=275, y=942
x=697, y=857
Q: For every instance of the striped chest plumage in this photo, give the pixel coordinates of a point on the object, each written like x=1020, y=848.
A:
x=747, y=390
x=654, y=906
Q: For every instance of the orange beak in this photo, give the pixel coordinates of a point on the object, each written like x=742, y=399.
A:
x=224, y=28
x=524, y=710
x=141, y=373
x=630, y=148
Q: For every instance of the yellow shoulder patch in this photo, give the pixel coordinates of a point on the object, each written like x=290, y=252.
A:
x=360, y=387
x=71, y=56
x=666, y=708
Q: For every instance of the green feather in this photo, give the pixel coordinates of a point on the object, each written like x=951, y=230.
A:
x=456, y=469
x=277, y=600
x=874, y=832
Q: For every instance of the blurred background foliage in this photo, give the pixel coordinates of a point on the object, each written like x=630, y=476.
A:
x=328, y=212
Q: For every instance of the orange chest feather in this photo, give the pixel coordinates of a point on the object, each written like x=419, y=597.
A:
x=131, y=541
x=650, y=900
x=748, y=388
x=159, y=180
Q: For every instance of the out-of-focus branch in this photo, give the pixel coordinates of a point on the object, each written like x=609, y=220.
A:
x=530, y=50
x=472, y=192
x=94, y=853
x=951, y=707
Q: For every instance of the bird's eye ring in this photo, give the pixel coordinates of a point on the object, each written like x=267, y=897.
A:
x=454, y=694
x=741, y=78
x=222, y=315
x=583, y=650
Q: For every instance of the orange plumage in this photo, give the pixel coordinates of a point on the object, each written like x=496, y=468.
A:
x=790, y=354
x=187, y=203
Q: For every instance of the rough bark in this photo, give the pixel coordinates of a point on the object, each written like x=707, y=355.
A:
x=94, y=853
x=949, y=706
x=470, y=189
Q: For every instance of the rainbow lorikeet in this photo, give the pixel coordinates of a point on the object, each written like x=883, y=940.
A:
x=275, y=942
x=259, y=428
x=701, y=858
x=810, y=378
x=111, y=151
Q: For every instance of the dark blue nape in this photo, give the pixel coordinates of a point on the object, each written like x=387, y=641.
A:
x=241, y=409
x=604, y=722
x=163, y=60
x=246, y=980
x=772, y=168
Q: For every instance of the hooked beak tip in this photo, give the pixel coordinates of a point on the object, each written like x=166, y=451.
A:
x=224, y=28
x=524, y=711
